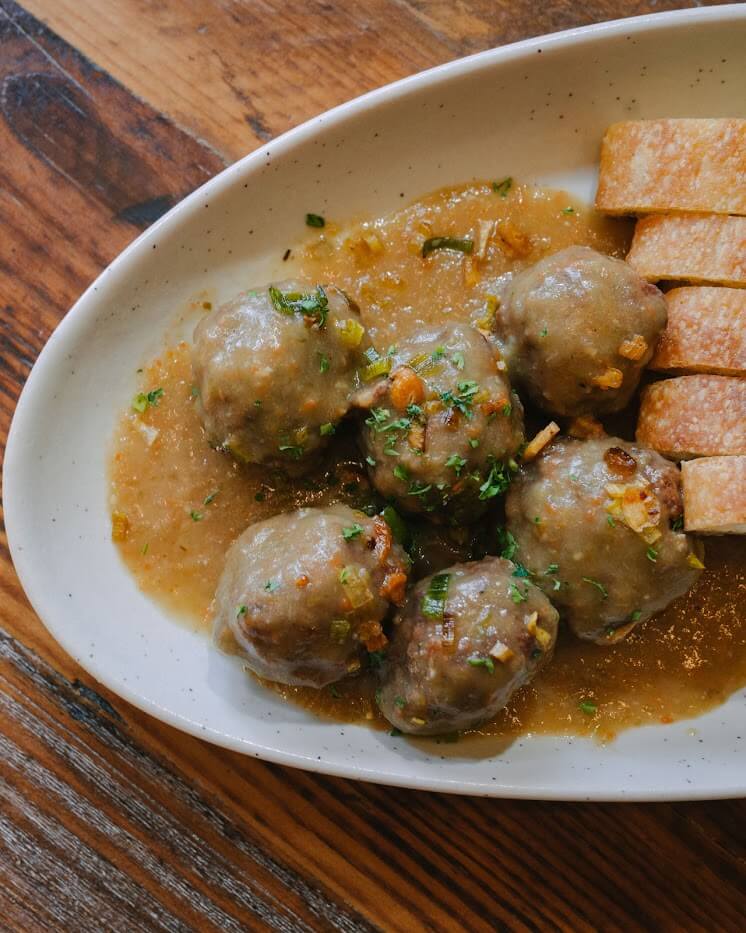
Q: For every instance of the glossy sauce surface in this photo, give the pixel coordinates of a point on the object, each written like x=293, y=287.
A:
x=178, y=504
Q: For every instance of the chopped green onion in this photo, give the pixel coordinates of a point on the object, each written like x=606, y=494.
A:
x=487, y=663
x=462, y=244
x=599, y=586
x=315, y=220
x=434, y=601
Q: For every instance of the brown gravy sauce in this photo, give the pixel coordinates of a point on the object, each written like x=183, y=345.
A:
x=180, y=504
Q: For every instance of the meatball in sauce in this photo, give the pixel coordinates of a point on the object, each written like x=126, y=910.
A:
x=465, y=641
x=577, y=329
x=275, y=370
x=598, y=524
x=442, y=428
x=304, y=594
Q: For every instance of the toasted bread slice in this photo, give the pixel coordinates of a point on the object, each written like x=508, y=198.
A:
x=673, y=165
x=694, y=416
x=691, y=248
x=706, y=332
x=715, y=495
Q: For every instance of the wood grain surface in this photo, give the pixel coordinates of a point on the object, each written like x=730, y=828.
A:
x=110, y=820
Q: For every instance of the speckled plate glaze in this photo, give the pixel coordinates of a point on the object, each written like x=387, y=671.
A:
x=536, y=110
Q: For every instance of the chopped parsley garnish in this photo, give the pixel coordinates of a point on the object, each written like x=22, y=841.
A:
x=463, y=398
x=635, y=615
x=352, y=532
x=458, y=360
x=241, y=611
x=144, y=400
x=400, y=702
x=517, y=595
x=394, y=732
x=502, y=187
x=211, y=498
x=543, y=332
x=397, y=525
x=458, y=463
x=292, y=450
x=196, y=516
x=678, y=523
x=521, y=571
x=568, y=210
x=507, y=410
x=344, y=575
x=434, y=601
x=438, y=354
x=552, y=568
x=537, y=519
x=334, y=692
x=587, y=707
x=599, y=586
x=610, y=521
x=313, y=305
x=401, y=472
x=508, y=544
x=498, y=480
x=415, y=411
x=462, y=244
x=473, y=442
x=486, y=663
x=271, y=585
x=418, y=488
x=326, y=429
x=315, y=220
x=371, y=461
x=376, y=659
x=323, y=363
x=259, y=497
x=144, y=550
x=651, y=554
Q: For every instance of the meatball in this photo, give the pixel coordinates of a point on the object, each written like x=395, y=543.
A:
x=577, y=329
x=304, y=593
x=465, y=641
x=275, y=369
x=598, y=525
x=442, y=425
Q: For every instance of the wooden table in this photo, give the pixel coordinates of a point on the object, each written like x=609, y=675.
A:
x=111, y=820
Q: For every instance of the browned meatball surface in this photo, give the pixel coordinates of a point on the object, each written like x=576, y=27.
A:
x=577, y=329
x=598, y=524
x=304, y=594
x=465, y=641
x=443, y=425
x=275, y=369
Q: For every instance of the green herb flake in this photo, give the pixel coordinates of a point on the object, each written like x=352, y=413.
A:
x=395, y=732
x=610, y=521
x=144, y=550
x=326, y=429
x=502, y=187
x=486, y=663
x=588, y=707
x=418, y=488
x=241, y=611
x=259, y=497
x=196, y=516
x=458, y=360
x=376, y=659
x=271, y=586
x=400, y=702
x=678, y=524
x=371, y=461
x=323, y=363
x=211, y=498
x=463, y=399
x=313, y=305
x=552, y=568
x=473, y=442
x=507, y=410
x=537, y=519
x=294, y=451
x=334, y=692
x=498, y=480
x=315, y=220
x=434, y=601
x=401, y=472
x=398, y=526
x=635, y=615
x=517, y=595
x=568, y=210
x=344, y=575
x=458, y=463
x=461, y=244
x=599, y=586
x=354, y=531
x=543, y=332
x=507, y=543
x=144, y=400
x=651, y=554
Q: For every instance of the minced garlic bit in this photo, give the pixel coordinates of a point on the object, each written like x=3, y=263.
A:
x=612, y=378
x=636, y=505
x=586, y=426
x=543, y=637
x=500, y=652
x=694, y=562
x=531, y=622
x=417, y=721
x=541, y=440
x=633, y=348
x=484, y=232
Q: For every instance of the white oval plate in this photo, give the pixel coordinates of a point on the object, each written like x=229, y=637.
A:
x=536, y=110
